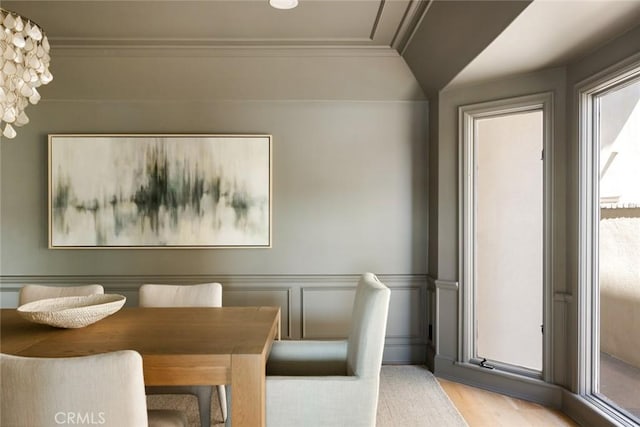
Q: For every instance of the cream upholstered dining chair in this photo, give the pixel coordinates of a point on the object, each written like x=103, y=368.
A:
x=202, y=295
x=332, y=383
x=103, y=389
x=30, y=293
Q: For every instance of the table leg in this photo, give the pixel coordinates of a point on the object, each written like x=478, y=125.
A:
x=248, y=391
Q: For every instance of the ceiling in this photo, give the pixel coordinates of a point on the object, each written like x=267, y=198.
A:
x=375, y=23
x=444, y=42
x=550, y=33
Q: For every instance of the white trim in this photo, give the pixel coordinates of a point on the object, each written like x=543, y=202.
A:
x=587, y=93
x=466, y=117
x=414, y=30
x=587, y=412
x=409, y=24
x=447, y=285
x=132, y=281
x=563, y=297
x=208, y=51
x=431, y=283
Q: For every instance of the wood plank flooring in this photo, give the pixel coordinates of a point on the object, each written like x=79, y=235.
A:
x=482, y=408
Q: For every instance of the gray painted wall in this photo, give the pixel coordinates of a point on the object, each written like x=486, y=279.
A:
x=448, y=303
x=444, y=269
x=349, y=170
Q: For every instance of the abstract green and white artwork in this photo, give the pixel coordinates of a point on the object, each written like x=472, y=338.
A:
x=159, y=191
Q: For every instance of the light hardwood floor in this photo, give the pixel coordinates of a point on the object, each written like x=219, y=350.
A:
x=481, y=408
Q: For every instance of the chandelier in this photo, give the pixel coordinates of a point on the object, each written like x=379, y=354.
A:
x=24, y=66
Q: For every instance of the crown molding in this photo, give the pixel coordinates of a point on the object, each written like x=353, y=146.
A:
x=83, y=50
x=210, y=42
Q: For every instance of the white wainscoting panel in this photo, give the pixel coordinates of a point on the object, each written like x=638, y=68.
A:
x=313, y=306
x=406, y=308
x=244, y=296
x=326, y=312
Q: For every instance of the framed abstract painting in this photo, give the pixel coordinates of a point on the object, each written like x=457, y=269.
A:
x=159, y=191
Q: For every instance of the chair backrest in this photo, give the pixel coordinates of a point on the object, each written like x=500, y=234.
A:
x=104, y=389
x=368, y=327
x=30, y=293
x=204, y=295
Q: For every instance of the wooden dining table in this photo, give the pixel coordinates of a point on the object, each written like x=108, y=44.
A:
x=179, y=346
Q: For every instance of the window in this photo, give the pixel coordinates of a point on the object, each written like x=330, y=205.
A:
x=504, y=230
x=610, y=243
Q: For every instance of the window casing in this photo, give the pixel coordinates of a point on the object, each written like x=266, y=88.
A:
x=588, y=354
x=468, y=115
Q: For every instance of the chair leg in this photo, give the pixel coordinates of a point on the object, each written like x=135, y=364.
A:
x=222, y=397
x=228, y=392
x=204, y=405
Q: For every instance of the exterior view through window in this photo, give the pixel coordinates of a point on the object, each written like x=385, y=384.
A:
x=617, y=132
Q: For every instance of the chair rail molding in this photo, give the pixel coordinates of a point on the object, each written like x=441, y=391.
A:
x=313, y=306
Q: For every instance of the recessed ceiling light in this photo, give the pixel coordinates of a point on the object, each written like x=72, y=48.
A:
x=283, y=4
